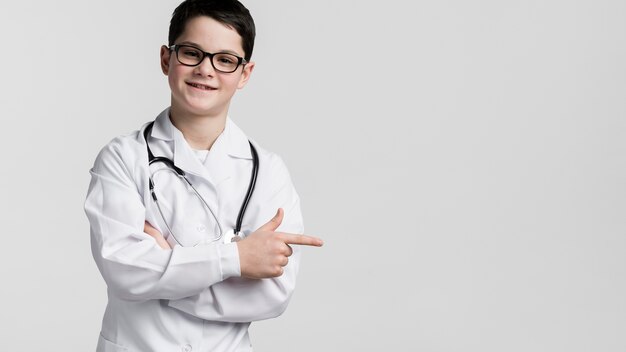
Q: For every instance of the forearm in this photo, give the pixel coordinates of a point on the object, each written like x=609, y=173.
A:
x=242, y=299
x=143, y=271
x=130, y=261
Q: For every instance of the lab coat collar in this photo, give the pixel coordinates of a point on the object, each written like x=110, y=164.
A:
x=232, y=141
x=162, y=128
x=238, y=144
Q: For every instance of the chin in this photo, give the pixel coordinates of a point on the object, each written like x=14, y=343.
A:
x=207, y=110
x=199, y=107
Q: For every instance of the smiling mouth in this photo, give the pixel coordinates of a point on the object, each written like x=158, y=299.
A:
x=200, y=86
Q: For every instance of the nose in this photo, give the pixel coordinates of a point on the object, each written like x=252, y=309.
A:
x=205, y=68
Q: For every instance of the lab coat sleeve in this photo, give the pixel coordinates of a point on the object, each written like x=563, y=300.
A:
x=132, y=264
x=245, y=300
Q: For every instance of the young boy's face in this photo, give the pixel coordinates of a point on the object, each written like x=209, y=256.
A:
x=218, y=88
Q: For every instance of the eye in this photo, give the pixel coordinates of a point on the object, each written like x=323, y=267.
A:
x=191, y=53
x=226, y=60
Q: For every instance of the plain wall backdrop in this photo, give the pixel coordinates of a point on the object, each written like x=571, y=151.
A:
x=465, y=162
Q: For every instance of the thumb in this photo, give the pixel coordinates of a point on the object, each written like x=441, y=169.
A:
x=273, y=224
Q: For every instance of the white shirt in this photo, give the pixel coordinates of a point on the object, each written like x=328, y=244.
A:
x=190, y=298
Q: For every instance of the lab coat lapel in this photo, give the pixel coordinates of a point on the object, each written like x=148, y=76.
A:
x=185, y=158
x=238, y=144
x=181, y=153
x=232, y=145
x=218, y=161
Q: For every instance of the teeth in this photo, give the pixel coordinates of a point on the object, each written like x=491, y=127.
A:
x=201, y=86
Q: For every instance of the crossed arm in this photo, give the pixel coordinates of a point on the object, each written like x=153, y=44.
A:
x=244, y=281
x=264, y=253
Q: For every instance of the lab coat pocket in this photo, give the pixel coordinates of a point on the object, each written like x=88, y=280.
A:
x=105, y=345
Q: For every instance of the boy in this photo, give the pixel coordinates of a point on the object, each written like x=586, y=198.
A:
x=163, y=201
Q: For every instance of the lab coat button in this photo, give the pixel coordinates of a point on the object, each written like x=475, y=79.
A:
x=201, y=228
x=187, y=348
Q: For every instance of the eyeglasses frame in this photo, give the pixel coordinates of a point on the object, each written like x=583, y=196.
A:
x=240, y=60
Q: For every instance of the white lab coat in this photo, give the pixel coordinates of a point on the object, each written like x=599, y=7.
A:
x=187, y=298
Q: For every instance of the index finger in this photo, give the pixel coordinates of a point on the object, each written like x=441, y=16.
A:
x=301, y=240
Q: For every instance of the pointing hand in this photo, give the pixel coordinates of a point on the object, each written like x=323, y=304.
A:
x=265, y=252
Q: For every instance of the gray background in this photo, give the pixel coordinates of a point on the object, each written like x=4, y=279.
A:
x=464, y=161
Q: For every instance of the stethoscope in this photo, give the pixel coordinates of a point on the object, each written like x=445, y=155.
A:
x=233, y=236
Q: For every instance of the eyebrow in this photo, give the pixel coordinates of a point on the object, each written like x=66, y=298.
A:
x=186, y=42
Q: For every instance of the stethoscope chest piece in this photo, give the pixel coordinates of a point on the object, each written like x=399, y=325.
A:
x=231, y=237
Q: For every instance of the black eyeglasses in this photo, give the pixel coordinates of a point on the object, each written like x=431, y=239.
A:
x=191, y=56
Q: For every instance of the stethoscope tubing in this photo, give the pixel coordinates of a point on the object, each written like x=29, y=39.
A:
x=253, y=177
x=181, y=173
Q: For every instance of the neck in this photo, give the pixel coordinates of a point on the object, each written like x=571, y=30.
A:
x=199, y=131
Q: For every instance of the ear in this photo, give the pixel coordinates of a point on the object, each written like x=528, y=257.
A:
x=166, y=53
x=245, y=74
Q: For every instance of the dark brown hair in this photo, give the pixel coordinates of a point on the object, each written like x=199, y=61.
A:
x=229, y=12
